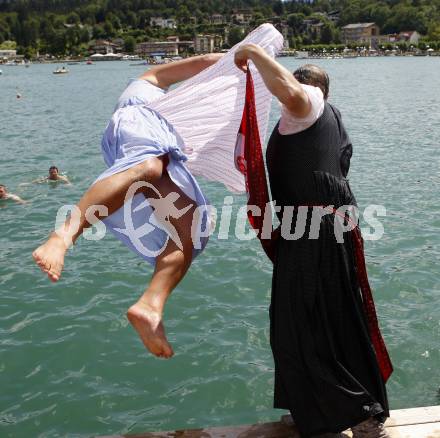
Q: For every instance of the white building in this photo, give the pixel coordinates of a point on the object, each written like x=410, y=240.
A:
x=207, y=43
x=104, y=47
x=242, y=16
x=360, y=33
x=217, y=19
x=410, y=36
x=164, y=23
x=157, y=48
x=7, y=54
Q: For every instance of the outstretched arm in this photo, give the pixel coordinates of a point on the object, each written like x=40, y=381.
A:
x=17, y=199
x=165, y=75
x=38, y=180
x=280, y=81
x=64, y=179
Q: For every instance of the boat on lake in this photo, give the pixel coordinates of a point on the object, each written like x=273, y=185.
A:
x=60, y=71
x=139, y=63
x=131, y=58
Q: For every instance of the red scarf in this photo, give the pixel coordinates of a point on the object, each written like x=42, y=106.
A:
x=249, y=161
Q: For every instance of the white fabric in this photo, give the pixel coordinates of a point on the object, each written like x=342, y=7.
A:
x=134, y=134
x=139, y=92
x=290, y=124
x=206, y=111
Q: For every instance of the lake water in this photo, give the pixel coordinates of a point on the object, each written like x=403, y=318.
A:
x=71, y=365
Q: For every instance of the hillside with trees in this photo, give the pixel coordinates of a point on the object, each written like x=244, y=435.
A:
x=63, y=27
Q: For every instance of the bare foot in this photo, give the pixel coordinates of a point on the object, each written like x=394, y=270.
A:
x=148, y=324
x=50, y=256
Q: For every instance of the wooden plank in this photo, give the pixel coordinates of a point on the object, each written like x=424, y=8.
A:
x=266, y=430
x=427, y=430
x=403, y=417
x=421, y=422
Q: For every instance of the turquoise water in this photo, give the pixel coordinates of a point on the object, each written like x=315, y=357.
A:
x=70, y=365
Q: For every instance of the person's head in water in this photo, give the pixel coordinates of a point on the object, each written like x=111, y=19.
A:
x=3, y=191
x=53, y=172
x=310, y=74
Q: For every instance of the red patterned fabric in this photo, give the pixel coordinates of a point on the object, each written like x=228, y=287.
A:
x=249, y=161
x=383, y=358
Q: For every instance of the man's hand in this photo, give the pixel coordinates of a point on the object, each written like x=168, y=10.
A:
x=244, y=54
x=280, y=82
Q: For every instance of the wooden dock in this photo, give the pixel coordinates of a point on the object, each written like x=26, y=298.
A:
x=404, y=423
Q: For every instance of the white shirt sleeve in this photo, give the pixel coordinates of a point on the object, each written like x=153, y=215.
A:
x=291, y=124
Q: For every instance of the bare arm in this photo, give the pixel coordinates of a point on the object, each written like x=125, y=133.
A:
x=168, y=74
x=64, y=179
x=17, y=199
x=39, y=180
x=280, y=81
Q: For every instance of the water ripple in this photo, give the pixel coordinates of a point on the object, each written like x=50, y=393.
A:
x=71, y=365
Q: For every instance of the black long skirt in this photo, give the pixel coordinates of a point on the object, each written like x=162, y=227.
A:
x=326, y=372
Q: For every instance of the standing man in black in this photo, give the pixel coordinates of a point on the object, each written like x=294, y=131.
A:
x=330, y=361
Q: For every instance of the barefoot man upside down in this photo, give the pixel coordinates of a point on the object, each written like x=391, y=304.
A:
x=145, y=155
x=133, y=122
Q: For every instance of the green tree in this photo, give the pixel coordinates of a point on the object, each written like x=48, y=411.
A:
x=109, y=30
x=29, y=33
x=73, y=18
x=84, y=35
x=129, y=44
x=278, y=7
x=72, y=37
x=296, y=22
x=183, y=15
x=41, y=23
x=8, y=45
x=236, y=34
x=98, y=32
x=57, y=45
x=132, y=19
x=326, y=33
x=434, y=31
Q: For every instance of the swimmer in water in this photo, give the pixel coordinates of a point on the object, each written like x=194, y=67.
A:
x=54, y=175
x=5, y=195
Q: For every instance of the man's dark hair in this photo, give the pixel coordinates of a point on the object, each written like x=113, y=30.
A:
x=310, y=74
x=2, y=185
x=53, y=168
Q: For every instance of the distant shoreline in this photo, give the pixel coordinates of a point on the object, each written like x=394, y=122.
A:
x=320, y=55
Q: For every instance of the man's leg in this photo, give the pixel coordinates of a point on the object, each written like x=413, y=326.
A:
x=109, y=192
x=146, y=314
